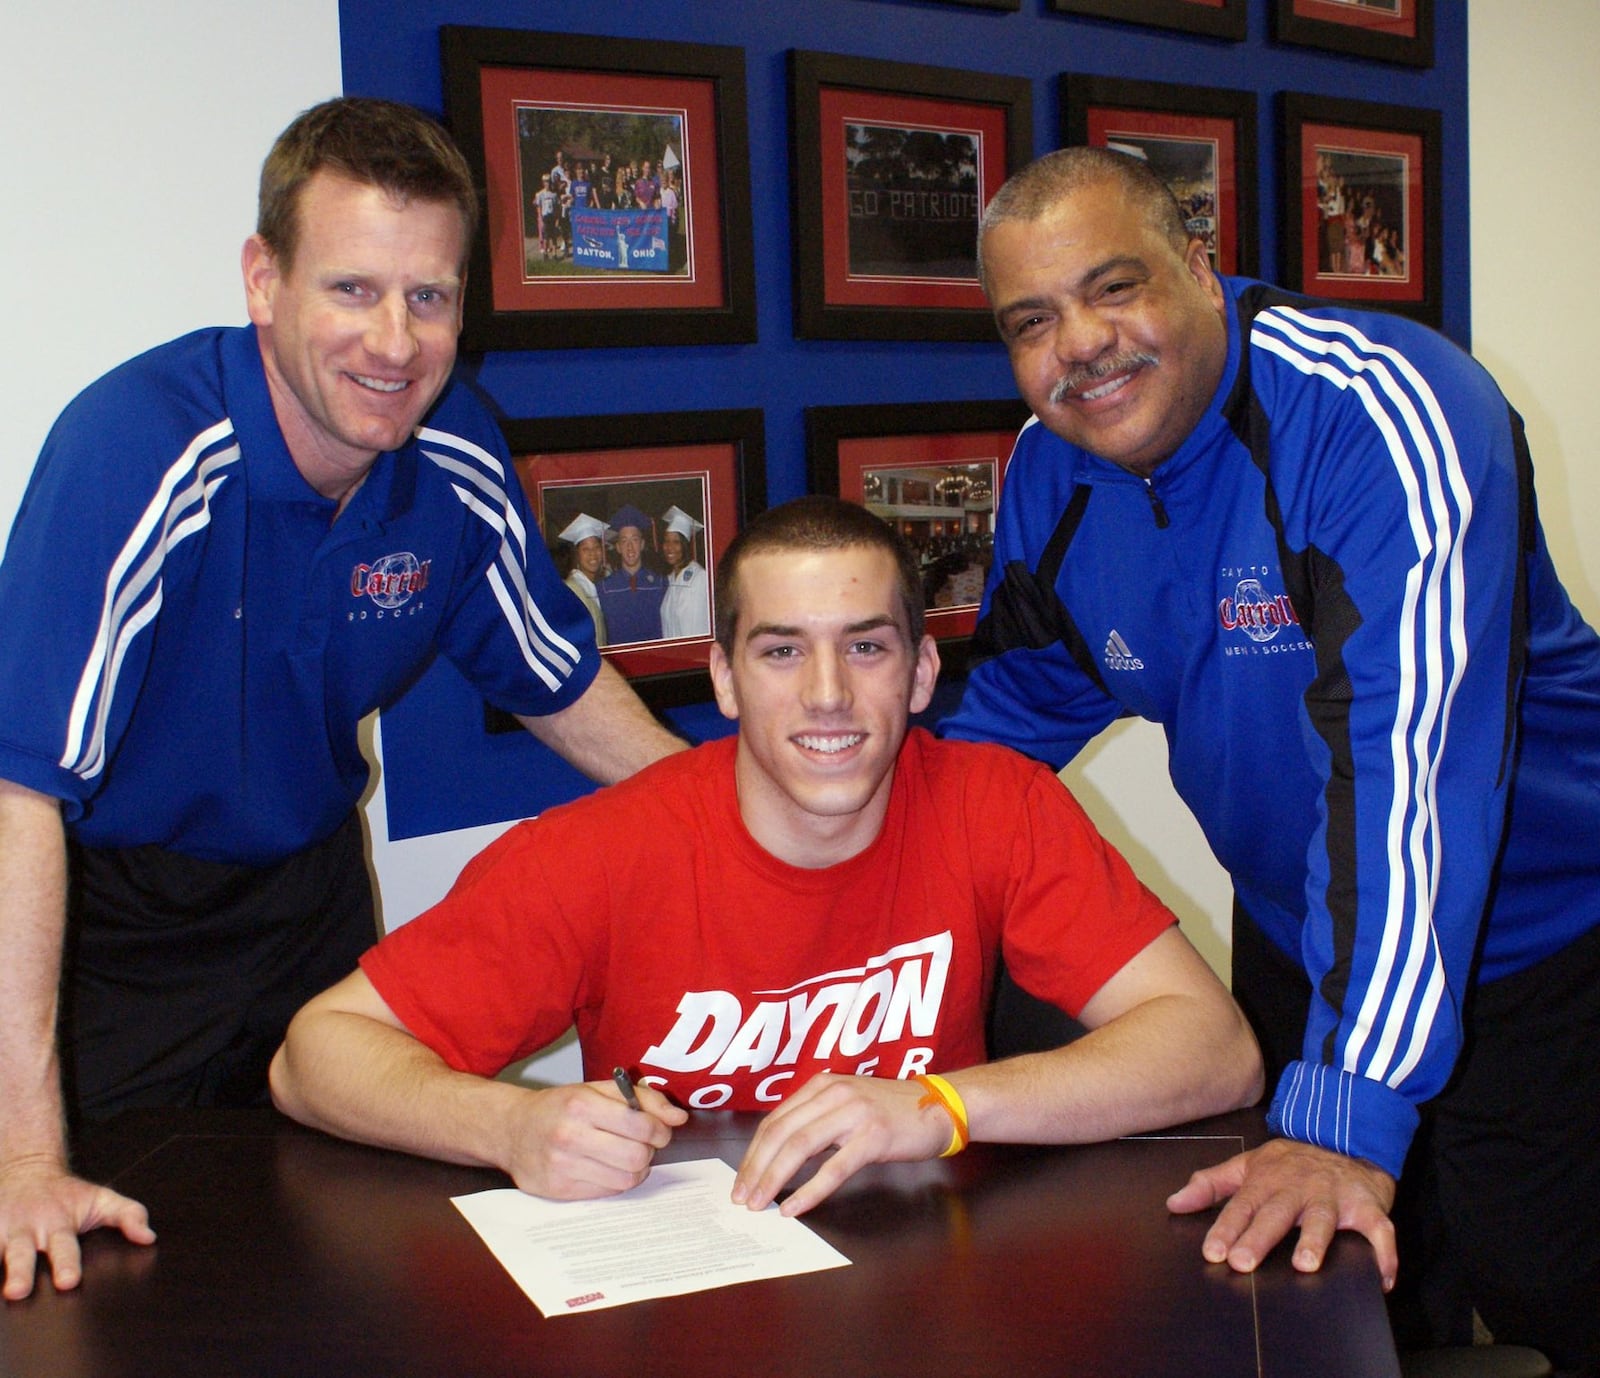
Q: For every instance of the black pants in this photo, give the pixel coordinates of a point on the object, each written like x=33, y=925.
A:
x=180, y=976
x=1499, y=1202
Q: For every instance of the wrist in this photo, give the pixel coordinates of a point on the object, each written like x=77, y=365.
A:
x=939, y=1092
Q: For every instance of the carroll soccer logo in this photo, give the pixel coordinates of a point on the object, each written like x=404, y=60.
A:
x=391, y=581
x=1255, y=612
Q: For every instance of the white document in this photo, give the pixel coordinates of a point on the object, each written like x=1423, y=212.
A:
x=675, y=1232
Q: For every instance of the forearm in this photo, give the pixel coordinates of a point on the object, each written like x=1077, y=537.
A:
x=1171, y=1059
x=608, y=734
x=33, y=888
x=361, y=1079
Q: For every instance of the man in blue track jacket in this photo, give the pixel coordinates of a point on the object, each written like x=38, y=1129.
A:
x=1303, y=539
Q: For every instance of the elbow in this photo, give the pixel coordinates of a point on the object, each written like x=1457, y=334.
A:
x=1250, y=1072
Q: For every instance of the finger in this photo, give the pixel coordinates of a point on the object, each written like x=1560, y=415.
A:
x=1317, y=1226
x=653, y=1103
x=772, y=1158
x=1225, y=1230
x=19, y=1258
x=1379, y=1232
x=831, y=1174
x=1205, y=1188
x=1269, y=1225
x=124, y=1214
x=66, y=1261
x=781, y=1147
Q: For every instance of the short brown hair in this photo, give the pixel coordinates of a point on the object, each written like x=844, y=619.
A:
x=817, y=522
x=1044, y=182
x=381, y=143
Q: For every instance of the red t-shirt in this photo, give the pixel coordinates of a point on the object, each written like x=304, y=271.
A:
x=647, y=915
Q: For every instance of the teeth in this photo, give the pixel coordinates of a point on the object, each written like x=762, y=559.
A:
x=829, y=745
x=1104, y=390
x=379, y=385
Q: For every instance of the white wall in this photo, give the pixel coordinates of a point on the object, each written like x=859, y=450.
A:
x=1534, y=108
x=136, y=132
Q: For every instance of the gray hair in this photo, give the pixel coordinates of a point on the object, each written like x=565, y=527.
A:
x=1047, y=181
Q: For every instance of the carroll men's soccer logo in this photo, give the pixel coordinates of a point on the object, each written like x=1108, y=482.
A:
x=391, y=581
x=1255, y=612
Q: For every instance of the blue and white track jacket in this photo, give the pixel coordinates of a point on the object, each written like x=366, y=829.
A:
x=1336, y=599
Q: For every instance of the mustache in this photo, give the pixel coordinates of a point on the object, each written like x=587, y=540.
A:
x=1089, y=374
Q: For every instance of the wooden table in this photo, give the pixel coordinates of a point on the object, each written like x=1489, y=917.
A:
x=283, y=1251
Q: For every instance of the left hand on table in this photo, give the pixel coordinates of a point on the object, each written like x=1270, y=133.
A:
x=867, y=1119
x=1271, y=1189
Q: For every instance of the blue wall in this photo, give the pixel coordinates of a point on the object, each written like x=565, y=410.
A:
x=442, y=770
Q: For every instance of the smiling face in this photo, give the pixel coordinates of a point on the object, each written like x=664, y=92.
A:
x=822, y=676
x=674, y=550
x=1116, y=336
x=358, y=333
x=590, y=556
x=630, y=547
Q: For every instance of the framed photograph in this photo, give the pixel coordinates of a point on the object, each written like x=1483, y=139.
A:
x=892, y=165
x=1214, y=18
x=636, y=511
x=616, y=178
x=1391, y=30
x=1201, y=141
x=932, y=470
x=1361, y=203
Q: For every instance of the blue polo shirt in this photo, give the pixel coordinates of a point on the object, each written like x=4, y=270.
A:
x=191, y=639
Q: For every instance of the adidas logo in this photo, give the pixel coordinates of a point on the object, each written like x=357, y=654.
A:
x=1118, y=656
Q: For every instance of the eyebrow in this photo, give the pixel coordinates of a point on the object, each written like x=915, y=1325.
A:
x=867, y=624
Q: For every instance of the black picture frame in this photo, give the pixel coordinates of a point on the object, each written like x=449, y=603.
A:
x=665, y=674
x=1229, y=20
x=1351, y=29
x=825, y=306
x=1082, y=96
x=1410, y=137
x=830, y=429
x=709, y=302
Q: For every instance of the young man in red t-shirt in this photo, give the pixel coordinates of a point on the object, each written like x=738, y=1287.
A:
x=806, y=919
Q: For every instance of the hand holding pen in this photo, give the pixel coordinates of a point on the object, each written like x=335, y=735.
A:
x=590, y=1139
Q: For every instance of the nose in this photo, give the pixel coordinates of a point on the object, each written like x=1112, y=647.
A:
x=827, y=682
x=1083, y=335
x=389, y=334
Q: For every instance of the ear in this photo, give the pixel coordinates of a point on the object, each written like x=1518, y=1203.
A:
x=1198, y=263
x=260, y=267
x=722, y=683
x=925, y=676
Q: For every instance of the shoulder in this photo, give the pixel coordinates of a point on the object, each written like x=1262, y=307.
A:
x=181, y=379
x=459, y=428
x=1374, y=359
x=978, y=771
x=151, y=418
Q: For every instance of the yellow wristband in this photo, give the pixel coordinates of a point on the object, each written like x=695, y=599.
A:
x=941, y=1092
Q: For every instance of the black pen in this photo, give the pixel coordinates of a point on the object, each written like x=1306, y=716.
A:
x=625, y=1085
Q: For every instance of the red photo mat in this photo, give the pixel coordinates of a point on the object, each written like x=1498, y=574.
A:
x=841, y=106
x=714, y=466
x=1400, y=23
x=1105, y=124
x=504, y=89
x=860, y=455
x=1337, y=139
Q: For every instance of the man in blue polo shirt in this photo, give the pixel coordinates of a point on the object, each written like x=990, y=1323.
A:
x=232, y=549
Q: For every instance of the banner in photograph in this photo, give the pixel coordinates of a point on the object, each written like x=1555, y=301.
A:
x=634, y=240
